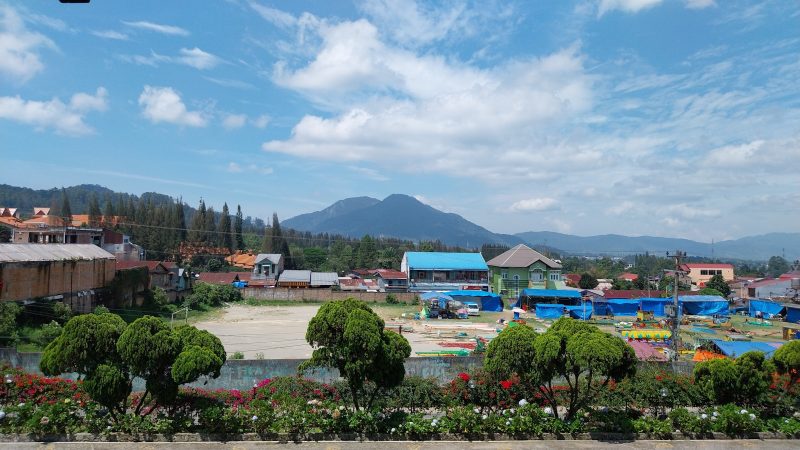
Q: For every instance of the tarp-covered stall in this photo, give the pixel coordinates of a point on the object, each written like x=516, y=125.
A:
x=734, y=349
x=704, y=305
x=580, y=312
x=767, y=308
x=529, y=297
x=655, y=305
x=623, y=307
x=793, y=314
x=488, y=301
x=549, y=311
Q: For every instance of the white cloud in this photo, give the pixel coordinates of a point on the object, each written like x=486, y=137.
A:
x=261, y=121
x=193, y=57
x=414, y=23
x=700, y=4
x=158, y=28
x=19, y=47
x=233, y=121
x=367, y=172
x=164, y=104
x=238, y=84
x=111, y=34
x=628, y=6
x=64, y=118
x=274, y=16
x=234, y=167
x=534, y=204
x=621, y=208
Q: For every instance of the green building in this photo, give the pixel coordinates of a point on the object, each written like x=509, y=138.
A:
x=523, y=267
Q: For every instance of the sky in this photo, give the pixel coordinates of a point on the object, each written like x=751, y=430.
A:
x=639, y=117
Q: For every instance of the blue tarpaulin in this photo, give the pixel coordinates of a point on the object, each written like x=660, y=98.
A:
x=549, y=311
x=601, y=308
x=656, y=305
x=582, y=312
x=240, y=284
x=442, y=298
x=766, y=307
x=735, y=349
x=557, y=295
x=793, y=314
x=704, y=305
x=623, y=307
x=488, y=300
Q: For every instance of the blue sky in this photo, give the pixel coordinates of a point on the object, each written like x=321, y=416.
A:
x=673, y=118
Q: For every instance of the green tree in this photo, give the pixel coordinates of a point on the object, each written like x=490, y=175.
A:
x=95, y=215
x=587, y=281
x=5, y=234
x=65, y=211
x=787, y=361
x=718, y=283
x=226, y=238
x=266, y=243
x=367, y=255
x=313, y=258
x=9, y=311
x=197, y=233
x=210, y=228
x=237, y=229
x=743, y=381
x=710, y=291
x=777, y=266
x=348, y=335
x=108, y=214
x=512, y=353
x=585, y=357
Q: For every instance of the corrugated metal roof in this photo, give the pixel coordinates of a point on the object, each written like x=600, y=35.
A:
x=301, y=276
x=735, y=349
x=323, y=278
x=521, y=256
x=51, y=252
x=274, y=258
x=445, y=261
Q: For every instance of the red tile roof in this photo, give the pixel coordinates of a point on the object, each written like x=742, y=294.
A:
x=628, y=276
x=218, y=277
x=125, y=265
x=245, y=276
x=389, y=274
x=708, y=266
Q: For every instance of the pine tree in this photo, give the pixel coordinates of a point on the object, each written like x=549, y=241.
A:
x=277, y=235
x=196, y=230
x=237, y=228
x=226, y=239
x=108, y=214
x=65, y=212
x=180, y=221
x=211, y=236
x=95, y=216
x=367, y=255
x=266, y=244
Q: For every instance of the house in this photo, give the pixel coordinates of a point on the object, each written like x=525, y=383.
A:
x=295, y=279
x=700, y=273
x=180, y=280
x=391, y=280
x=427, y=271
x=69, y=273
x=121, y=247
x=522, y=267
x=267, y=266
x=242, y=260
x=770, y=288
x=43, y=228
x=351, y=284
x=134, y=278
x=324, y=279
x=218, y=277
x=627, y=276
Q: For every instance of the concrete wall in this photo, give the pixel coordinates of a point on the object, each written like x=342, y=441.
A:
x=26, y=280
x=321, y=295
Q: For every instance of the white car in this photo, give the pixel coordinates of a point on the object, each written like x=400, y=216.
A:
x=472, y=309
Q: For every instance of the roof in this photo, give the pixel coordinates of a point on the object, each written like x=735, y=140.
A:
x=389, y=274
x=274, y=258
x=152, y=266
x=768, y=282
x=550, y=293
x=790, y=275
x=445, y=261
x=735, y=349
x=51, y=252
x=707, y=266
x=471, y=294
x=245, y=276
x=52, y=221
x=701, y=298
x=521, y=256
x=218, y=277
x=297, y=276
x=631, y=293
x=241, y=259
x=628, y=276
x=646, y=352
x=323, y=278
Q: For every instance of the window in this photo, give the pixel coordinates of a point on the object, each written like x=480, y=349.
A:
x=516, y=277
x=537, y=275
x=555, y=276
x=504, y=275
x=703, y=272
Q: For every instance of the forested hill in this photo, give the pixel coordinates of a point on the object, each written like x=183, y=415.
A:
x=25, y=199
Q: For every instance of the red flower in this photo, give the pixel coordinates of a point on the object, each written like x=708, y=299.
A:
x=506, y=384
x=659, y=378
x=464, y=376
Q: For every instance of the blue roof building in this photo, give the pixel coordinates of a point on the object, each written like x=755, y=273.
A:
x=440, y=271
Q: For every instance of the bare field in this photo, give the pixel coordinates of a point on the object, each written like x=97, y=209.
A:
x=277, y=332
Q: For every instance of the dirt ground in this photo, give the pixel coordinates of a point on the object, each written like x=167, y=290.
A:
x=276, y=332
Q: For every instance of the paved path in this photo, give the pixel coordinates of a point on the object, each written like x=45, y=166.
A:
x=503, y=445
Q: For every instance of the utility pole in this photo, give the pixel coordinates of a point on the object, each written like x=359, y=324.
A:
x=675, y=314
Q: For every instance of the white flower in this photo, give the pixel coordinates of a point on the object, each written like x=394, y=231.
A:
x=2, y=415
x=434, y=423
x=21, y=405
x=744, y=411
x=523, y=402
x=477, y=410
x=484, y=417
x=714, y=414
x=513, y=410
x=254, y=418
x=704, y=416
x=341, y=407
x=548, y=410
x=392, y=430
x=752, y=416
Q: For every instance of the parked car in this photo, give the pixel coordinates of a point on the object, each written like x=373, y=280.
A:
x=473, y=309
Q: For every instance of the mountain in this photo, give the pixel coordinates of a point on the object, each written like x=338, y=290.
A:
x=311, y=221
x=398, y=216
x=759, y=247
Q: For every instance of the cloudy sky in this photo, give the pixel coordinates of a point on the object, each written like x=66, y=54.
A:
x=674, y=117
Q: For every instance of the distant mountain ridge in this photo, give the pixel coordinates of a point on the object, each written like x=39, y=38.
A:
x=399, y=216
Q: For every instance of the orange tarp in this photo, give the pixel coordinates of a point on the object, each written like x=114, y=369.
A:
x=705, y=355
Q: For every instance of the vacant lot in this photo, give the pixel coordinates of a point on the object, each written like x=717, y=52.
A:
x=277, y=332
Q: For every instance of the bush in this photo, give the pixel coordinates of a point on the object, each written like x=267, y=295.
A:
x=48, y=333
x=416, y=393
x=237, y=355
x=744, y=381
x=392, y=299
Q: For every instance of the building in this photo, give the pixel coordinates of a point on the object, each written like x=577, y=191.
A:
x=180, y=280
x=218, y=277
x=134, y=278
x=267, y=266
x=69, y=273
x=42, y=228
x=522, y=267
x=627, y=276
x=242, y=260
x=700, y=273
x=391, y=280
x=771, y=288
x=324, y=279
x=295, y=279
x=440, y=271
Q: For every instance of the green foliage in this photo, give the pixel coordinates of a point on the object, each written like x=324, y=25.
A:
x=717, y=282
x=48, y=333
x=587, y=281
x=787, y=361
x=512, y=353
x=710, y=291
x=86, y=342
x=206, y=294
x=314, y=258
x=160, y=298
x=777, y=266
x=101, y=310
x=348, y=335
x=392, y=299
x=108, y=386
x=744, y=381
x=9, y=311
x=237, y=355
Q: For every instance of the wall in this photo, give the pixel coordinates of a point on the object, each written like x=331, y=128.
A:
x=26, y=280
x=322, y=295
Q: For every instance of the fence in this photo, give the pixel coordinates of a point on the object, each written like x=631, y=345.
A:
x=323, y=295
